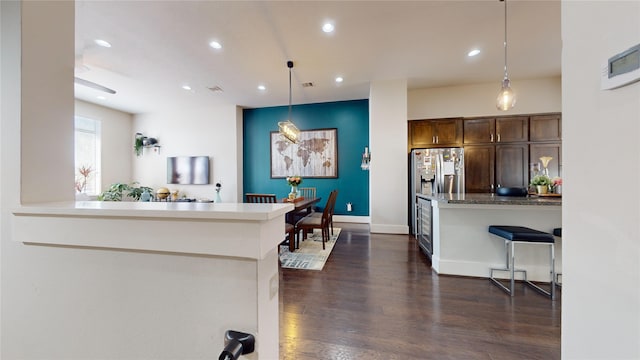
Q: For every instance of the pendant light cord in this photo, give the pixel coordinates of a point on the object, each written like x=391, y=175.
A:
x=506, y=76
x=290, y=65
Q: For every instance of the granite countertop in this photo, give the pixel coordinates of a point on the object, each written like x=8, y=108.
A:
x=493, y=199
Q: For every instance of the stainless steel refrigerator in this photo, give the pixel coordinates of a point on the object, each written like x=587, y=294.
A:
x=435, y=171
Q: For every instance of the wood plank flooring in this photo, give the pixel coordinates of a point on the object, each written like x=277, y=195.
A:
x=377, y=298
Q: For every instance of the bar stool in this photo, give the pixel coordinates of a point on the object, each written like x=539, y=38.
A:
x=558, y=232
x=522, y=235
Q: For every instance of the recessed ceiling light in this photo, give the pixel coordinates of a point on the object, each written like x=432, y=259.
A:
x=339, y=79
x=262, y=87
x=186, y=87
x=102, y=43
x=216, y=45
x=328, y=27
x=473, y=52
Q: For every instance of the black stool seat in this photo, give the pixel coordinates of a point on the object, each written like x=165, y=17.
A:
x=521, y=233
x=557, y=232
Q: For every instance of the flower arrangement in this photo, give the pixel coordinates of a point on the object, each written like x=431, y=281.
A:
x=540, y=180
x=294, y=180
x=556, y=181
x=81, y=181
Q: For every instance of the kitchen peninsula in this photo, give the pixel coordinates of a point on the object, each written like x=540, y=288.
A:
x=174, y=276
x=462, y=245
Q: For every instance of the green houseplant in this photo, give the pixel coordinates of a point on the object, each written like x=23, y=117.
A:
x=541, y=182
x=117, y=191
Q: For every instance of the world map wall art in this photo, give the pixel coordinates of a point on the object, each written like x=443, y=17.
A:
x=314, y=156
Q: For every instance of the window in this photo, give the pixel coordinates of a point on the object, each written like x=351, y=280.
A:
x=87, y=156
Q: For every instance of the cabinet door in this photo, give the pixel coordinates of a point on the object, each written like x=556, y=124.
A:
x=512, y=129
x=448, y=132
x=421, y=133
x=545, y=127
x=554, y=150
x=479, y=131
x=479, y=163
x=512, y=165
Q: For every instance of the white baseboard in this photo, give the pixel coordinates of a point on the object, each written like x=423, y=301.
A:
x=352, y=219
x=389, y=229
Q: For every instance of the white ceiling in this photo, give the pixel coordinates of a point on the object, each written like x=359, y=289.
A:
x=158, y=46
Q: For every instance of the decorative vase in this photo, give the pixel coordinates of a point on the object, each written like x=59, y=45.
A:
x=542, y=189
x=218, y=198
x=558, y=189
x=294, y=192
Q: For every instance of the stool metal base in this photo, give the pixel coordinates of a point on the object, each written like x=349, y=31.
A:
x=510, y=267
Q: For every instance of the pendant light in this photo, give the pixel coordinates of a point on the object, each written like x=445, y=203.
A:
x=287, y=128
x=506, y=97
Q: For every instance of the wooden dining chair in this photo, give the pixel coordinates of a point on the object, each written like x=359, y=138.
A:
x=307, y=192
x=308, y=223
x=332, y=208
x=260, y=198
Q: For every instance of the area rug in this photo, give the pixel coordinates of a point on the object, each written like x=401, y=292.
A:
x=310, y=255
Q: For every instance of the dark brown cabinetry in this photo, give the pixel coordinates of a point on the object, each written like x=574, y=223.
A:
x=512, y=165
x=489, y=166
x=553, y=150
x=479, y=168
x=435, y=133
x=498, y=150
x=496, y=130
x=545, y=128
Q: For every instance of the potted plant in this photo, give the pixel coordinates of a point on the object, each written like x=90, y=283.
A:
x=541, y=182
x=117, y=191
x=138, y=144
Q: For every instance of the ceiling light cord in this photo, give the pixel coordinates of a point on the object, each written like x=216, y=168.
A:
x=506, y=97
x=506, y=76
x=290, y=66
x=287, y=128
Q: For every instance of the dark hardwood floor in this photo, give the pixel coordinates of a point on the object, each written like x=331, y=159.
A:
x=377, y=298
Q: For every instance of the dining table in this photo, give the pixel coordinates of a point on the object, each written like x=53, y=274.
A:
x=302, y=207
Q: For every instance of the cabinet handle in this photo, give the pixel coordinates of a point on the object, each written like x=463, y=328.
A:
x=492, y=187
x=437, y=140
x=492, y=137
x=498, y=137
x=433, y=140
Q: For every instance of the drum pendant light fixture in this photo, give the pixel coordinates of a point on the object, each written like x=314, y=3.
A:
x=287, y=128
x=506, y=97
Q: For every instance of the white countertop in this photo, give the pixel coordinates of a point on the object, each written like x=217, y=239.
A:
x=183, y=210
x=223, y=229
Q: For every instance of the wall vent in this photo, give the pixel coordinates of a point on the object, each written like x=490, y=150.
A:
x=216, y=89
x=307, y=84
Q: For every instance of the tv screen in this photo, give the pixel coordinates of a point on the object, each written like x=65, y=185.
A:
x=188, y=170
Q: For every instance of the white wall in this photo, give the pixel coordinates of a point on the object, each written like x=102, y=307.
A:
x=601, y=235
x=534, y=96
x=211, y=131
x=389, y=169
x=117, y=141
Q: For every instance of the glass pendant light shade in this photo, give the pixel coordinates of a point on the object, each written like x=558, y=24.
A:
x=287, y=128
x=506, y=97
x=289, y=131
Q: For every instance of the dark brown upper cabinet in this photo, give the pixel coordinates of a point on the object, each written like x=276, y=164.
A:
x=545, y=127
x=435, y=133
x=496, y=130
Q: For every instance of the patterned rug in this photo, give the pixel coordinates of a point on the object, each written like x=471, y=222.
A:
x=310, y=255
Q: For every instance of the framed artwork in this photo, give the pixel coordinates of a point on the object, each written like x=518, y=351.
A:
x=314, y=156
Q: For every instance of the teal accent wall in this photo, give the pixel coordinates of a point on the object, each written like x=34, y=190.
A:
x=351, y=118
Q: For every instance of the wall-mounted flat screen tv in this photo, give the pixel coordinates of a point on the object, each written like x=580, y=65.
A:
x=188, y=170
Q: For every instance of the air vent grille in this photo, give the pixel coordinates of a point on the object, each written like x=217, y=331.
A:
x=216, y=89
x=307, y=84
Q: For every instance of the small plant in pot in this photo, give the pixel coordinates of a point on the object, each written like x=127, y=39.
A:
x=117, y=191
x=541, y=182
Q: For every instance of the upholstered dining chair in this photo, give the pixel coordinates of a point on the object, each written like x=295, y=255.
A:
x=308, y=223
x=260, y=198
x=331, y=210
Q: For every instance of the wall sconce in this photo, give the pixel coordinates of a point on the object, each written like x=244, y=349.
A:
x=366, y=159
